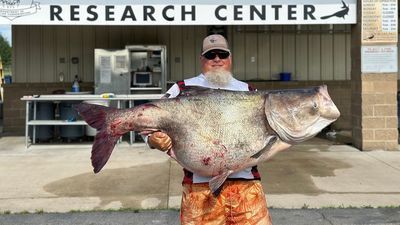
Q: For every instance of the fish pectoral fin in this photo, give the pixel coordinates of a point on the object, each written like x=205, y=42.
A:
x=148, y=131
x=270, y=141
x=216, y=182
x=195, y=90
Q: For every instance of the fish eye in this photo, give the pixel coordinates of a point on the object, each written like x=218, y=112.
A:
x=315, y=105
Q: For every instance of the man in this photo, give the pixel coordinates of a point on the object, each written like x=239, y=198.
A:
x=241, y=200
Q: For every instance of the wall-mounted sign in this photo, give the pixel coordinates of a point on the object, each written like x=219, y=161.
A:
x=379, y=59
x=183, y=12
x=379, y=21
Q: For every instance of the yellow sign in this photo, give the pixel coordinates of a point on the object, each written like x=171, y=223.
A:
x=379, y=21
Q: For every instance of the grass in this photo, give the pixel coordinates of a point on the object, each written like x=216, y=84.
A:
x=305, y=206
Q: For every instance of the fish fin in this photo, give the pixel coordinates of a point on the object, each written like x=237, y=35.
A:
x=103, y=146
x=197, y=90
x=216, y=182
x=96, y=117
x=270, y=141
x=193, y=90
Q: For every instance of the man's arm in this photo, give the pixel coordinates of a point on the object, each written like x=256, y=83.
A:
x=158, y=139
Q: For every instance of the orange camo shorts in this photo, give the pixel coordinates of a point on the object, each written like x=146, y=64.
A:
x=240, y=202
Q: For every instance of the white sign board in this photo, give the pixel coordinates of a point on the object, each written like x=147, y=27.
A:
x=184, y=12
x=379, y=59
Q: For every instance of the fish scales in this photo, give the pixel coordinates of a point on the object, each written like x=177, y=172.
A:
x=222, y=136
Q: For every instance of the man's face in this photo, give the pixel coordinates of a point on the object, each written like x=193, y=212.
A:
x=215, y=60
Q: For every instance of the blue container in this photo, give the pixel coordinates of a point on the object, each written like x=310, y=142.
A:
x=7, y=79
x=68, y=113
x=285, y=76
x=44, y=111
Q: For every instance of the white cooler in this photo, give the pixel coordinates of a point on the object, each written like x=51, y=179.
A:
x=90, y=131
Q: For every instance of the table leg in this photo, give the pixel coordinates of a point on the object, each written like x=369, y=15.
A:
x=26, y=124
x=131, y=133
x=119, y=107
x=34, y=126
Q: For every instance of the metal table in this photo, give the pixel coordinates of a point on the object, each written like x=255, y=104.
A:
x=57, y=98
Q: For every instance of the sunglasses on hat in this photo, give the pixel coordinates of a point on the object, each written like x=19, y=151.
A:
x=210, y=55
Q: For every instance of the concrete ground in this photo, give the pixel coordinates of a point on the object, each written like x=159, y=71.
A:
x=381, y=216
x=315, y=174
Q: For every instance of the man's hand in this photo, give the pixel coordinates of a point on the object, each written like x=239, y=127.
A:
x=160, y=141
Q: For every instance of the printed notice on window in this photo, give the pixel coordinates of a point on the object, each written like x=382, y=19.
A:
x=379, y=21
x=105, y=62
x=379, y=59
x=120, y=62
x=105, y=76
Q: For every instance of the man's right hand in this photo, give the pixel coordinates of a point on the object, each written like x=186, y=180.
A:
x=160, y=141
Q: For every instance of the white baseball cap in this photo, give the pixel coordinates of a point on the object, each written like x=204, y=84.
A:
x=214, y=41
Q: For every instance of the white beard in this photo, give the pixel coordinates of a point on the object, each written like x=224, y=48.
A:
x=219, y=77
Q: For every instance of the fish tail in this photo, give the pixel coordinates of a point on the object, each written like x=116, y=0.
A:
x=326, y=17
x=97, y=116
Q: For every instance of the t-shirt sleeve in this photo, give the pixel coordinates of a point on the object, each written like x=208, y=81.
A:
x=172, y=92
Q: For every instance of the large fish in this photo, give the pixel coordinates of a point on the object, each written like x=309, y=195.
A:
x=217, y=132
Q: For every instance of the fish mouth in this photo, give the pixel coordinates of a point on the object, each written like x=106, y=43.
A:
x=329, y=111
x=296, y=136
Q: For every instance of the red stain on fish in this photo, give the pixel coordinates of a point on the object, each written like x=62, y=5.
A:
x=206, y=161
x=114, y=127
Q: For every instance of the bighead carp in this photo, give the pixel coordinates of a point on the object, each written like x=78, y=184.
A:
x=217, y=132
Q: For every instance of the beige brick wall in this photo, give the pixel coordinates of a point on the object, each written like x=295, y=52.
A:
x=377, y=102
x=14, y=108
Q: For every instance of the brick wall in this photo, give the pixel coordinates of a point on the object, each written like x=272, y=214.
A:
x=14, y=107
x=375, y=112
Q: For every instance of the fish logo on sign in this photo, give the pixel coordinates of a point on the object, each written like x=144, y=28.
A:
x=340, y=13
x=12, y=9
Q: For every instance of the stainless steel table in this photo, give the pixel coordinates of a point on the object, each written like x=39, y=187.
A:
x=57, y=98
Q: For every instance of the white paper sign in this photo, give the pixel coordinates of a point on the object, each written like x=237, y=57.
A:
x=379, y=59
x=105, y=62
x=105, y=76
x=120, y=64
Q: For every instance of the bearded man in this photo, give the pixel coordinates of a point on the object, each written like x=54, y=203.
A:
x=241, y=199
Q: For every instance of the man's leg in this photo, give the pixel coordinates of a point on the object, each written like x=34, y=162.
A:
x=199, y=206
x=245, y=203
x=240, y=202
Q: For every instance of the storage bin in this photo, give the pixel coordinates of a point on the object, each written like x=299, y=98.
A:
x=68, y=113
x=44, y=111
x=7, y=79
x=285, y=76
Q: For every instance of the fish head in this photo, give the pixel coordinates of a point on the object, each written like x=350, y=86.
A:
x=299, y=114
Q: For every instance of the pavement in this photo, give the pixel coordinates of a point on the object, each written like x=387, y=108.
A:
x=317, y=174
x=382, y=216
